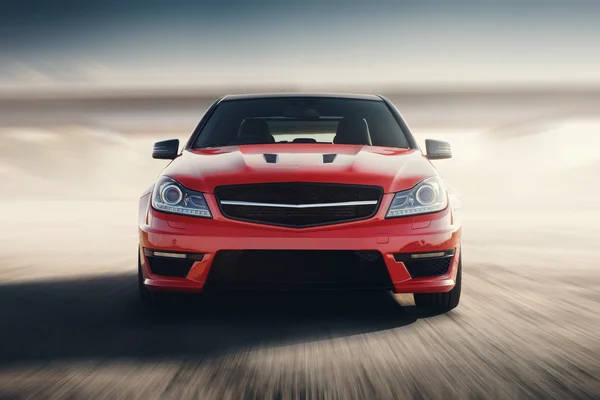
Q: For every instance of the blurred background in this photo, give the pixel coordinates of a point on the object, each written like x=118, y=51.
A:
x=514, y=86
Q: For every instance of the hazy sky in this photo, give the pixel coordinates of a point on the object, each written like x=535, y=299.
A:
x=171, y=43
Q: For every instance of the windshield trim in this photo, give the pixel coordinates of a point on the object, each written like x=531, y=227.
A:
x=190, y=145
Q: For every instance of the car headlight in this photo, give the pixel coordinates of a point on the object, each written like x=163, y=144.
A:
x=426, y=197
x=171, y=196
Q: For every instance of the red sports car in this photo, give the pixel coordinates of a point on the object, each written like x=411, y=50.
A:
x=301, y=191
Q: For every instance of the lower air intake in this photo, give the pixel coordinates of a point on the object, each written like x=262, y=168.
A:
x=172, y=267
x=428, y=267
x=298, y=270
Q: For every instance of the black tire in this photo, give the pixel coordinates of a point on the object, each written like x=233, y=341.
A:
x=149, y=298
x=442, y=302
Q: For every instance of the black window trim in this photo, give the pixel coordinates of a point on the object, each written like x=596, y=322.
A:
x=403, y=125
x=193, y=137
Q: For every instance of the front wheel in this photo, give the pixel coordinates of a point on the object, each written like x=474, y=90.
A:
x=443, y=302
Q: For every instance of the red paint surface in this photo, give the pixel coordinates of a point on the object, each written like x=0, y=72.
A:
x=392, y=169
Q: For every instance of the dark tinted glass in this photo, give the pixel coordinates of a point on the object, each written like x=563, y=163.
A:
x=302, y=120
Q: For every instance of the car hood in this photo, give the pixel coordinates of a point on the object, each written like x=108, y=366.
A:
x=393, y=169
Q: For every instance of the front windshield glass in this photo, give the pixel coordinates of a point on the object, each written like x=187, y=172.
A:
x=302, y=120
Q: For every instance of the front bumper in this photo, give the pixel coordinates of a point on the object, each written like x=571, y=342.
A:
x=415, y=234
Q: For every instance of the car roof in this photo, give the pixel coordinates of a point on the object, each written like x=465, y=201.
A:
x=250, y=96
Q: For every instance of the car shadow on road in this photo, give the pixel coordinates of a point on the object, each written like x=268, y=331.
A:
x=102, y=318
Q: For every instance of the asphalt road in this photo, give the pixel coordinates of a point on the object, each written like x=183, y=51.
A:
x=72, y=327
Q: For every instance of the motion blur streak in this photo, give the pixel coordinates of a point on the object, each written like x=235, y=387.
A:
x=85, y=90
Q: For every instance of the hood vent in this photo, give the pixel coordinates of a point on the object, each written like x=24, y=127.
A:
x=328, y=158
x=270, y=158
x=274, y=158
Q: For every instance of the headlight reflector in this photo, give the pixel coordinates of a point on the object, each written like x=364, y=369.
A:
x=427, y=196
x=171, y=196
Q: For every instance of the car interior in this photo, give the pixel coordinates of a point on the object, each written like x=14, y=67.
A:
x=348, y=130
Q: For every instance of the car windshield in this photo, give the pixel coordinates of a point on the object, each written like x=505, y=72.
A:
x=301, y=120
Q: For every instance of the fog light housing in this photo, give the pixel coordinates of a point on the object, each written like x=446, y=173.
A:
x=424, y=255
x=171, y=254
x=426, y=264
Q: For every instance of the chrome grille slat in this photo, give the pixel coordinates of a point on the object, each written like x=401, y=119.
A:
x=314, y=205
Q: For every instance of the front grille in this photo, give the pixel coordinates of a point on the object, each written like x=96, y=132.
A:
x=298, y=269
x=298, y=204
x=172, y=267
x=424, y=268
x=297, y=217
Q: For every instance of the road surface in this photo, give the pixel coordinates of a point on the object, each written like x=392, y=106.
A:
x=528, y=325
x=72, y=326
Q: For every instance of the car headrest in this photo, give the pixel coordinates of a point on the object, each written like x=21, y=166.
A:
x=352, y=130
x=254, y=131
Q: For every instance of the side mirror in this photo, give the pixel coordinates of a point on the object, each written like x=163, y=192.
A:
x=166, y=150
x=437, y=149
